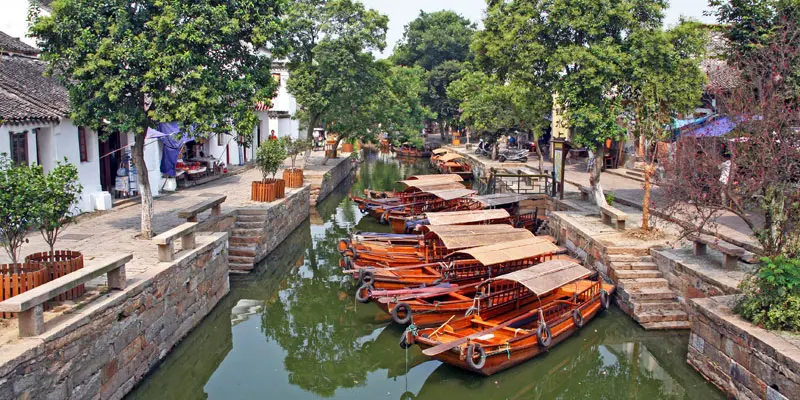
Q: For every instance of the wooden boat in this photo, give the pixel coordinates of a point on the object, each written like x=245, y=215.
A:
x=432, y=306
x=431, y=246
x=411, y=150
x=438, y=153
x=453, y=163
x=460, y=267
x=421, y=196
x=487, y=344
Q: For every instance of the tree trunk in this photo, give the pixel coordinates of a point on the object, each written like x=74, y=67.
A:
x=541, y=156
x=648, y=172
x=312, y=123
x=333, y=152
x=144, y=187
x=594, y=177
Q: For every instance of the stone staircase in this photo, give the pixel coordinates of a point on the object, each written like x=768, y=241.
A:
x=644, y=294
x=243, y=241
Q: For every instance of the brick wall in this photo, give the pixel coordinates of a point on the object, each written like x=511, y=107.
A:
x=105, y=348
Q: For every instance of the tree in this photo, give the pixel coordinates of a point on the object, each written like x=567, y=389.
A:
x=399, y=104
x=433, y=38
x=323, y=33
x=129, y=66
x=749, y=24
x=753, y=171
x=665, y=80
x=295, y=147
x=58, y=191
x=580, y=56
x=436, y=98
x=270, y=156
x=18, y=205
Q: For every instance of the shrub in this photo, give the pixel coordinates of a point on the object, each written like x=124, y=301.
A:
x=295, y=147
x=771, y=297
x=270, y=156
x=610, y=197
x=19, y=206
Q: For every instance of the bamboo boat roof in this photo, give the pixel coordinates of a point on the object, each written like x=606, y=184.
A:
x=547, y=276
x=511, y=250
x=428, y=185
x=450, y=157
x=499, y=199
x=441, y=151
x=451, y=194
x=435, y=177
x=465, y=217
x=456, y=237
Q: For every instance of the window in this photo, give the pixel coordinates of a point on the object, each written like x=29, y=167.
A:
x=220, y=141
x=277, y=78
x=19, y=147
x=258, y=132
x=84, y=152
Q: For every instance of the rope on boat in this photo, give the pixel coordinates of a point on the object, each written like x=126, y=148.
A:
x=413, y=329
x=508, y=348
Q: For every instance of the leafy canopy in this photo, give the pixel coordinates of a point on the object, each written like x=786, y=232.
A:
x=399, y=102
x=270, y=156
x=433, y=38
x=58, y=191
x=19, y=197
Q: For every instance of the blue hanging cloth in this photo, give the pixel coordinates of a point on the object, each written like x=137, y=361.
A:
x=170, y=135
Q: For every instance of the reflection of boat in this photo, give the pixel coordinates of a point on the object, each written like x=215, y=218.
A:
x=244, y=308
x=489, y=344
x=460, y=267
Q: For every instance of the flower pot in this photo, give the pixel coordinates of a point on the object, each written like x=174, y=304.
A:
x=64, y=262
x=347, y=147
x=264, y=191
x=293, y=177
x=280, y=188
x=456, y=142
x=16, y=281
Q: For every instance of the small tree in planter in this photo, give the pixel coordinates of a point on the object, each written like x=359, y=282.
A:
x=18, y=205
x=58, y=191
x=294, y=176
x=269, y=157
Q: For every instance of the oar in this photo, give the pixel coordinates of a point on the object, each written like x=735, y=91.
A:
x=436, y=350
x=442, y=325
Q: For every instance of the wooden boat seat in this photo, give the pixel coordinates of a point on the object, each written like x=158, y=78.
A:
x=460, y=296
x=575, y=287
x=507, y=332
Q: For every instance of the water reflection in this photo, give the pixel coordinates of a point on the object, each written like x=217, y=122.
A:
x=292, y=329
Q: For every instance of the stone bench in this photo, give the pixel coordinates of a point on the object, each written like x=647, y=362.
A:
x=165, y=241
x=731, y=253
x=613, y=217
x=214, y=203
x=586, y=191
x=30, y=304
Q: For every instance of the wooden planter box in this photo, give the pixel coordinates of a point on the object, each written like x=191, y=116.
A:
x=347, y=148
x=268, y=191
x=12, y=284
x=64, y=263
x=293, y=177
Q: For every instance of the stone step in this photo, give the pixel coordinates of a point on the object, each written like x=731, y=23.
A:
x=656, y=305
x=242, y=251
x=617, y=266
x=638, y=252
x=244, y=240
x=240, y=267
x=661, y=316
x=241, y=259
x=641, y=283
x=649, y=294
x=637, y=273
x=251, y=218
x=249, y=225
x=668, y=325
x=623, y=258
x=252, y=211
x=243, y=232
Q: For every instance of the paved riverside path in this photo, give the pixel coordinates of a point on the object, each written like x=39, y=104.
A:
x=115, y=232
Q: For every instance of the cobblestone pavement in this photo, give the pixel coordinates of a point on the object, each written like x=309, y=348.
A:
x=115, y=231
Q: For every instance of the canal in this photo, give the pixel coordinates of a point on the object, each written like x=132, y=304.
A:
x=293, y=330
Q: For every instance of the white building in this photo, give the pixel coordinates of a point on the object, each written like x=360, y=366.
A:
x=284, y=105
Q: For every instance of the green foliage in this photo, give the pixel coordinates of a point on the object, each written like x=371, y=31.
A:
x=771, y=298
x=433, y=38
x=610, y=197
x=749, y=24
x=19, y=197
x=295, y=147
x=436, y=98
x=399, y=105
x=58, y=192
x=270, y=156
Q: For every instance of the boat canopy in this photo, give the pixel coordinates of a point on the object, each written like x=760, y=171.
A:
x=435, y=177
x=465, y=217
x=547, y=276
x=506, y=251
x=450, y=157
x=456, y=237
x=427, y=185
x=441, y=150
x=451, y=194
x=501, y=199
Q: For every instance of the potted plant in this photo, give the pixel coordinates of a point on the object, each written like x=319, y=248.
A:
x=58, y=191
x=294, y=176
x=269, y=157
x=348, y=145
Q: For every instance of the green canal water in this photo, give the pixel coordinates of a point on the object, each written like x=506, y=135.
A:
x=293, y=330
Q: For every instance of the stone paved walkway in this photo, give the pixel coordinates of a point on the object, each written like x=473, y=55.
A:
x=115, y=231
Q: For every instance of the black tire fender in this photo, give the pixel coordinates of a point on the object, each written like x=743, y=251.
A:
x=605, y=300
x=406, y=340
x=367, y=277
x=401, y=308
x=577, y=318
x=543, y=335
x=473, y=350
x=363, y=292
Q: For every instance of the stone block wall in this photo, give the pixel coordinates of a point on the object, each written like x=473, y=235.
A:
x=578, y=242
x=105, y=348
x=331, y=179
x=743, y=360
x=691, y=281
x=281, y=219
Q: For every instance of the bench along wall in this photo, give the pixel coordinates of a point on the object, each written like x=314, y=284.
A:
x=104, y=349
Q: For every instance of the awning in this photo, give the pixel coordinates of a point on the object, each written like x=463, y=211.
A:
x=450, y=157
x=714, y=128
x=435, y=177
x=450, y=194
x=440, y=151
x=456, y=237
x=428, y=185
x=501, y=199
x=511, y=250
x=465, y=217
x=547, y=276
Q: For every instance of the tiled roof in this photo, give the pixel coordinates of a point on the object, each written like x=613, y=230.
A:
x=26, y=94
x=10, y=44
x=720, y=74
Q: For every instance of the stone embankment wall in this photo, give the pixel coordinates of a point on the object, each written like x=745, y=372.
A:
x=280, y=220
x=105, y=348
x=743, y=360
x=322, y=187
x=693, y=278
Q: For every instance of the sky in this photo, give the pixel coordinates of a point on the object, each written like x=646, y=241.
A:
x=402, y=12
